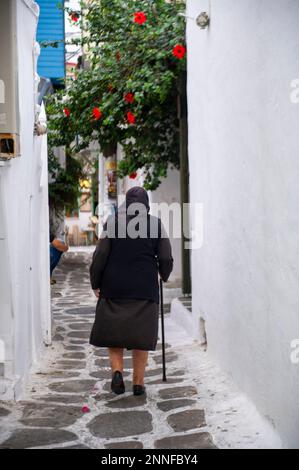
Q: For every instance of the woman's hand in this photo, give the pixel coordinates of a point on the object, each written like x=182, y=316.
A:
x=97, y=293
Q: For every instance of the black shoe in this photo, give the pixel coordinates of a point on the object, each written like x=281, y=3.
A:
x=117, y=384
x=138, y=390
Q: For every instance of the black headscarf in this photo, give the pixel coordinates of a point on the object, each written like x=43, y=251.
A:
x=137, y=195
x=134, y=195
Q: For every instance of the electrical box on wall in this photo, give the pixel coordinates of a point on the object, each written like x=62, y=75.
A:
x=9, y=103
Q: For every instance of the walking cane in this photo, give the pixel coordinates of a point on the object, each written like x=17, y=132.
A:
x=163, y=332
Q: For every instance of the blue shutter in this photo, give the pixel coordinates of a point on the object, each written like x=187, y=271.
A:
x=51, y=62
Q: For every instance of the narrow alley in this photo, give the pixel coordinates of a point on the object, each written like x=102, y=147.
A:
x=181, y=116
x=68, y=402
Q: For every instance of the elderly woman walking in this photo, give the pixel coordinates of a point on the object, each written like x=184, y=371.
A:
x=132, y=250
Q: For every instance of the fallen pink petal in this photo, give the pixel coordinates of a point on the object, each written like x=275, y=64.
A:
x=85, y=409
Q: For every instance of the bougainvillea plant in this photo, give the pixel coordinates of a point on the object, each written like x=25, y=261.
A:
x=128, y=93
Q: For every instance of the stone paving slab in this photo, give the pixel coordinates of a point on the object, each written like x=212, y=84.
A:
x=177, y=392
x=26, y=438
x=84, y=334
x=127, y=402
x=80, y=311
x=105, y=374
x=74, y=355
x=153, y=372
x=57, y=337
x=65, y=399
x=121, y=424
x=187, y=420
x=77, y=342
x=169, y=405
x=74, y=348
x=61, y=374
x=187, y=441
x=78, y=446
x=104, y=397
x=78, y=326
x=50, y=415
x=176, y=372
x=70, y=365
x=71, y=386
x=170, y=357
x=124, y=445
x=4, y=412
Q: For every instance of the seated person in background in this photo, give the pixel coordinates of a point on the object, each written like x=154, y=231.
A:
x=57, y=248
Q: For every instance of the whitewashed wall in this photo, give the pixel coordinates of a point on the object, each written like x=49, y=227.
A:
x=169, y=192
x=244, y=167
x=25, y=322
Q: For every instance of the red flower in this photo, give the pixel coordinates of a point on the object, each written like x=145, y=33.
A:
x=67, y=112
x=117, y=56
x=74, y=16
x=129, y=97
x=97, y=113
x=179, y=51
x=133, y=175
x=85, y=409
x=139, y=17
x=130, y=117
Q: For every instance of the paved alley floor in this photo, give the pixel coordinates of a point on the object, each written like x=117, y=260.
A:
x=195, y=409
x=76, y=375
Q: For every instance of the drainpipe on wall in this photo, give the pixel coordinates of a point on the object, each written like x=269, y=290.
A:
x=184, y=179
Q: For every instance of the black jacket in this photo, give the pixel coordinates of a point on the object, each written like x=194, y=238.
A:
x=127, y=268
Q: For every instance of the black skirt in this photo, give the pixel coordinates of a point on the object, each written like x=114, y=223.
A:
x=125, y=323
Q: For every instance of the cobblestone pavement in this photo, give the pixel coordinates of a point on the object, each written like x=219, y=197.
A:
x=74, y=374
